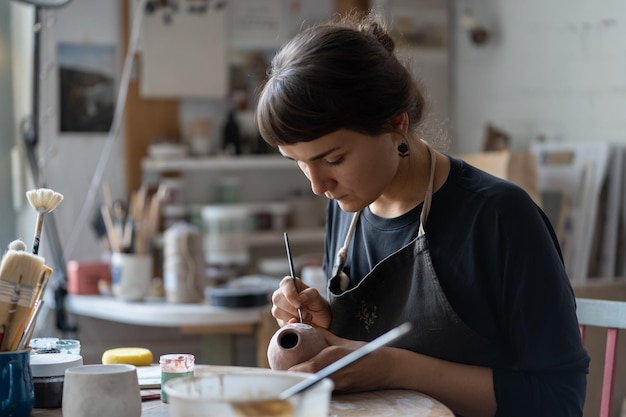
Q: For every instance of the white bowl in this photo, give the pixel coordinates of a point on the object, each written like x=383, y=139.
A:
x=213, y=393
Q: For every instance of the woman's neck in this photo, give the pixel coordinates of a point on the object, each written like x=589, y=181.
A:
x=409, y=186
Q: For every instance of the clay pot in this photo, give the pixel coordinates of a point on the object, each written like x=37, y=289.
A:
x=292, y=344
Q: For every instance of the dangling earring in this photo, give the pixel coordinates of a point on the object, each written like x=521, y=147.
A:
x=403, y=150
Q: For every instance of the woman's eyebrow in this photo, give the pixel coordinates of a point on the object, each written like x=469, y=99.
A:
x=316, y=157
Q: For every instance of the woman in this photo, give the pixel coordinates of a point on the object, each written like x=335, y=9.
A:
x=469, y=259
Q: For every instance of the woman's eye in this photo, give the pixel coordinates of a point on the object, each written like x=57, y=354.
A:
x=335, y=162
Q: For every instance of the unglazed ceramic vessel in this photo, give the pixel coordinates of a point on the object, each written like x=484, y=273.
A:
x=101, y=391
x=292, y=344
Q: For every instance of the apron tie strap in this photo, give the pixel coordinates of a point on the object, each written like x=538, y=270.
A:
x=429, y=190
x=342, y=254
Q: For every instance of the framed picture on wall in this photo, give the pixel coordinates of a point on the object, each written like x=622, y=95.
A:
x=86, y=87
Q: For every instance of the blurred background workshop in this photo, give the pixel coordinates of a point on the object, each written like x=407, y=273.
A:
x=141, y=114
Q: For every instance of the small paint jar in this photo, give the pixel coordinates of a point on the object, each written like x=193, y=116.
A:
x=48, y=377
x=69, y=346
x=44, y=345
x=175, y=365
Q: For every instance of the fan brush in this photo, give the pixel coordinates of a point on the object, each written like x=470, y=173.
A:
x=43, y=200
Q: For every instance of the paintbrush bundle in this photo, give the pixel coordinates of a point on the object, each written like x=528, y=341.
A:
x=21, y=275
x=131, y=228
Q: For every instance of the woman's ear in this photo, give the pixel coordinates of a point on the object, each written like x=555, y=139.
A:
x=401, y=122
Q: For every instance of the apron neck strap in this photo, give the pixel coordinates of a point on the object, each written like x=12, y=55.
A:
x=429, y=190
x=340, y=259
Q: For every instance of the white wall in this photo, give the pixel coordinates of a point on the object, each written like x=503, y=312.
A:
x=7, y=226
x=69, y=160
x=555, y=68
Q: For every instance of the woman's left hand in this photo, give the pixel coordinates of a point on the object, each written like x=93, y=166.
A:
x=365, y=374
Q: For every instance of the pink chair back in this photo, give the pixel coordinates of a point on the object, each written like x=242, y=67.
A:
x=612, y=316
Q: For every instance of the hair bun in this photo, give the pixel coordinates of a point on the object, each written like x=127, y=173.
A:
x=379, y=31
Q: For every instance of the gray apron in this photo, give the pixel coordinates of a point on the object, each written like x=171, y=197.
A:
x=404, y=287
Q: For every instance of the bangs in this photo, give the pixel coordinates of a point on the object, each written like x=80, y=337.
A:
x=285, y=116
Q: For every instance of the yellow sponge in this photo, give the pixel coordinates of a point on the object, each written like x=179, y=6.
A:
x=129, y=355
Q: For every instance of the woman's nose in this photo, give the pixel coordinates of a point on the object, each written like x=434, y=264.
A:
x=320, y=183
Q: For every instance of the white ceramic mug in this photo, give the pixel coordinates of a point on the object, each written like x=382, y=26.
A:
x=101, y=391
x=131, y=276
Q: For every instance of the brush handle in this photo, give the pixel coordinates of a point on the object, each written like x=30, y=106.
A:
x=38, y=229
x=292, y=270
x=30, y=327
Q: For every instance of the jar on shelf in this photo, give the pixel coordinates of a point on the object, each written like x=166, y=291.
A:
x=200, y=143
x=174, y=187
x=280, y=214
x=225, y=228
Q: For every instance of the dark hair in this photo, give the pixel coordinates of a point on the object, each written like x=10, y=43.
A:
x=342, y=75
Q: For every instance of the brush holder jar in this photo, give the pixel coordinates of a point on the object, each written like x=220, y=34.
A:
x=292, y=344
x=16, y=384
x=131, y=276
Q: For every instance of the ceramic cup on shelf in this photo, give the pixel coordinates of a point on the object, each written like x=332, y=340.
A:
x=101, y=391
x=292, y=344
x=17, y=392
x=131, y=276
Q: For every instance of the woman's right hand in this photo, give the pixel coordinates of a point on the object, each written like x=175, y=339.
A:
x=286, y=301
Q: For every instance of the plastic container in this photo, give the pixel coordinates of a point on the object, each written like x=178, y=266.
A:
x=216, y=393
x=49, y=375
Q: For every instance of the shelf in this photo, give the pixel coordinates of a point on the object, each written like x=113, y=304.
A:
x=296, y=236
x=235, y=163
x=161, y=313
x=275, y=238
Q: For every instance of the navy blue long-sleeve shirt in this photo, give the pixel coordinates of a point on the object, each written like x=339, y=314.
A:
x=499, y=263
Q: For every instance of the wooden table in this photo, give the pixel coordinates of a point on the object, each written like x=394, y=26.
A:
x=392, y=403
x=385, y=403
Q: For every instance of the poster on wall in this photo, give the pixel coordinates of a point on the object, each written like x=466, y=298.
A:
x=86, y=87
x=184, y=54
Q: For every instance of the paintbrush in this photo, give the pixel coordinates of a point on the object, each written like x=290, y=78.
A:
x=292, y=271
x=114, y=240
x=30, y=327
x=8, y=327
x=26, y=326
x=43, y=200
x=19, y=272
x=7, y=312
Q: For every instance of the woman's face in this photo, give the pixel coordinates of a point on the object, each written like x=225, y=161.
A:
x=350, y=167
